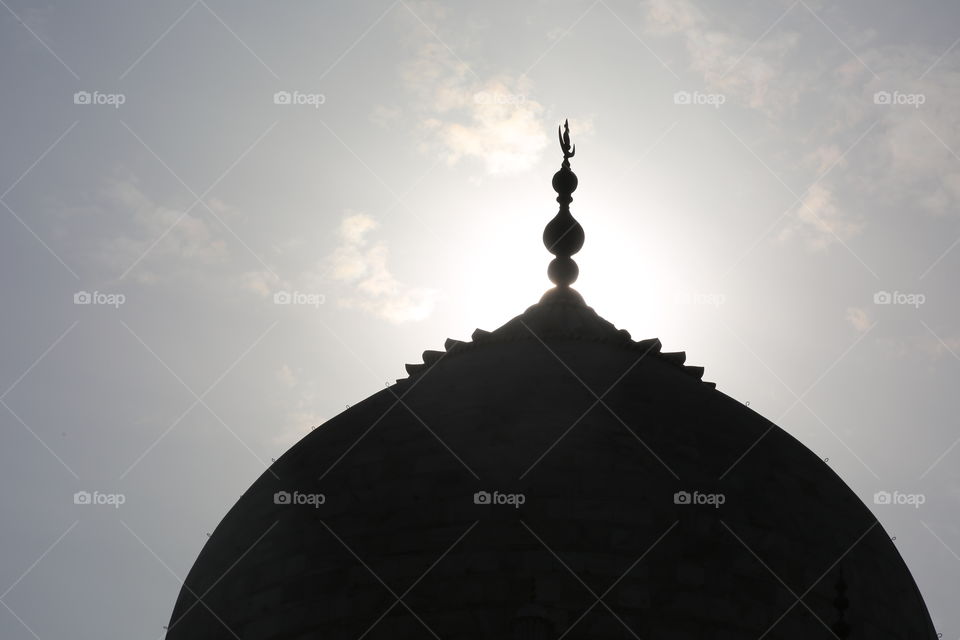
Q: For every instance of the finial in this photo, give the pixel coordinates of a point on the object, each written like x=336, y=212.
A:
x=568, y=151
x=841, y=628
x=563, y=236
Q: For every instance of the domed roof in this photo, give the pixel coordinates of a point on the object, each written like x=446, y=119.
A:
x=551, y=478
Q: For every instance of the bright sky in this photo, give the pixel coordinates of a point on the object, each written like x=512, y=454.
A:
x=772, y=187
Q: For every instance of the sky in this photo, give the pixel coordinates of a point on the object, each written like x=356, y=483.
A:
x=223, y=223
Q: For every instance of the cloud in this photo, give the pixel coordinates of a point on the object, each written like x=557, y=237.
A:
x=286, y=377
x=363, y=264
x=762, y=79
x=819, y=99
x=859, y=319
x=494, y=120
x=169, y=242
x=931, y=347
x=821, y=221
x=356, y=274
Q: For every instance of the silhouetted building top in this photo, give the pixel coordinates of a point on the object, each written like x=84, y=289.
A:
x=551, y=478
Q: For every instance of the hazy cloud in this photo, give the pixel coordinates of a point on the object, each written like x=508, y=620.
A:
x=363, y=264
x=167, y=240
x=858, y=318
x=494, y=120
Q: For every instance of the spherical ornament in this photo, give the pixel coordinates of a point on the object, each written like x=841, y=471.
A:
x=565, y=181
x=563, y=236
x=563, y=271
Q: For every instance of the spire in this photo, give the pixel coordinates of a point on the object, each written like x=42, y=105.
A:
x=563, y=236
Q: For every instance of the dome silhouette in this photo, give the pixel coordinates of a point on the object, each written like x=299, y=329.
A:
x=551, y=478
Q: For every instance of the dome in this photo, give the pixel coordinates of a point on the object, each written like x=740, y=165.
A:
x=551, y=478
